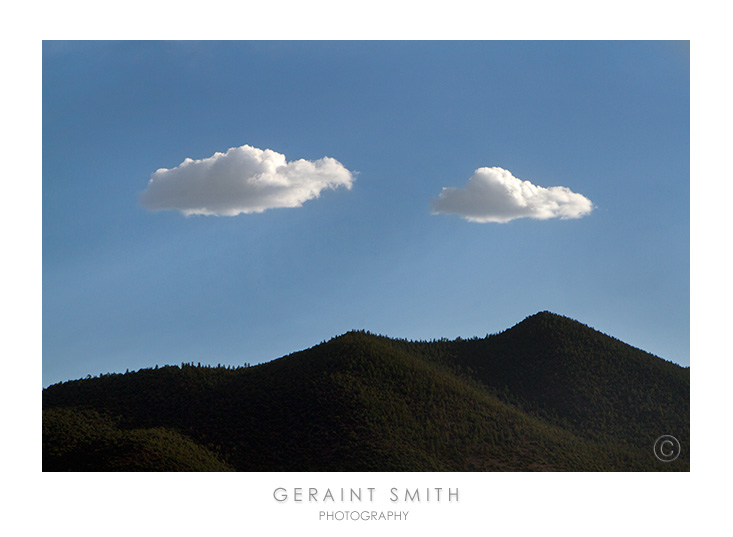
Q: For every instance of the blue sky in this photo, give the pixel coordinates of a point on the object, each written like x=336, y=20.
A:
x=125, y=287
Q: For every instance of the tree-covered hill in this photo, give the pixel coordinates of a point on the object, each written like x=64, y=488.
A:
x=547, y=394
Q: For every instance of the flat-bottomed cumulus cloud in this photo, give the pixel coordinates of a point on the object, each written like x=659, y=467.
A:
x=243, y=180
x=495, y=195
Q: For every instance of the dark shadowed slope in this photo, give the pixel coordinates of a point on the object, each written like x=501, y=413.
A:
x=547, y=394
x=588, y=382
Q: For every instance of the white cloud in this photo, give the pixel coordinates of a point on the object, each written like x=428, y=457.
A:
x=242, y=180
x=495, y=195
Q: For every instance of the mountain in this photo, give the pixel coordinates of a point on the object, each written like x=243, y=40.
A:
x=547, y=394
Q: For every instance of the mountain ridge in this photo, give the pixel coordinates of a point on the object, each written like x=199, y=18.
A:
x=548, y=393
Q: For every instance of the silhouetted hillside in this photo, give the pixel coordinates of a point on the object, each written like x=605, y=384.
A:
x=547, y=394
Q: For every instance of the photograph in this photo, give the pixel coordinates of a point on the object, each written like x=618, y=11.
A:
x=366, y=256
x=323, y=269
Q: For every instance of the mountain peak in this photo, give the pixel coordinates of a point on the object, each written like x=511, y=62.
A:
x=547, y=394
x=547, y=315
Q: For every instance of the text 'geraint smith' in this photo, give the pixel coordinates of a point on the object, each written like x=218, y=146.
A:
x=368, y=494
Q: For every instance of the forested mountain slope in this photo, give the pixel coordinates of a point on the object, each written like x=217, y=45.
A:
x=548, y=394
